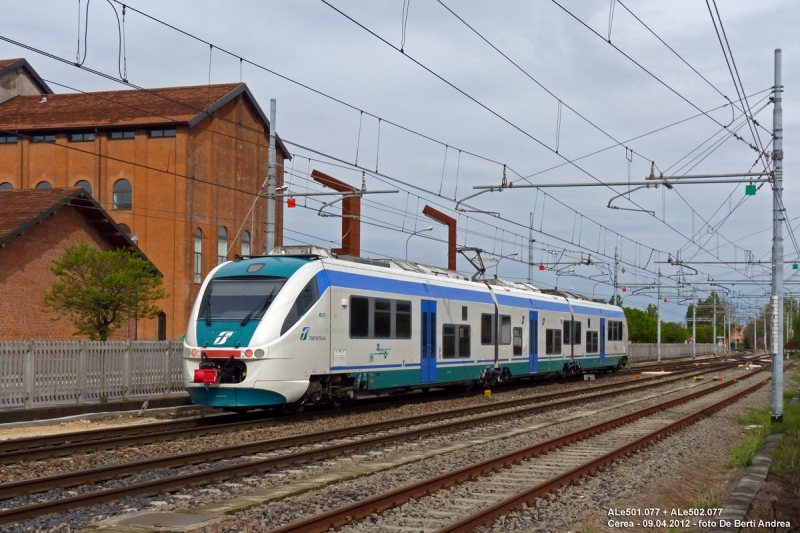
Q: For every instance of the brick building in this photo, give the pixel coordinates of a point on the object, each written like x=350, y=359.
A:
x=180, y=168
x=36, y=226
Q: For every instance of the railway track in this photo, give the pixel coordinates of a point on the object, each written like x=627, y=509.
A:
x=467, y=417
x=473, y=496
x=29, y=449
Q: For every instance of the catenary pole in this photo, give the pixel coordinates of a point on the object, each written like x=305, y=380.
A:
x=530, y=252
x=658, y=319
x=694, y=327
x=776, y=300
x=271, y=171
x=714, y=297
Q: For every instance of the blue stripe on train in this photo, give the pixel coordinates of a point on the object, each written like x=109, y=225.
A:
x=372, y=283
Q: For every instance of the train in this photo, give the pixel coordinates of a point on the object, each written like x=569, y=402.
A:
x=301, y=326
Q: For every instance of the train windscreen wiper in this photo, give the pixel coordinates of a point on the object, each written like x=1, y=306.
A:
x=260, y=308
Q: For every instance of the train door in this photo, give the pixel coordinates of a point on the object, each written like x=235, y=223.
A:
x=534, y=340
x=602, y=342
x=428, y=347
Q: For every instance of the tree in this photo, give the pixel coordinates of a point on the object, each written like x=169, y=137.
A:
x=615, y=300
x=652, y=310
x=641, y=327
x=673, y=332
x=99, y=291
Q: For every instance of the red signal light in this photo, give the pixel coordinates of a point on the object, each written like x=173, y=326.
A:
x=541, y=267
x=292, y=202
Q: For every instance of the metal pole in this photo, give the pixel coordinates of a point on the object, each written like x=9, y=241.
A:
x=694, y=327
x=730, y=340
x=616, y=267
x=530, y=252
x=755, y=336
x=658, y=319
x=776, y=301
x=714, y=297
x=272, y=164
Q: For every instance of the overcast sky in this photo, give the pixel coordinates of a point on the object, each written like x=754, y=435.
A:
x=482, y=104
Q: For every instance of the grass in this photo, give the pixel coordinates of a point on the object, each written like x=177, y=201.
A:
x=742, y=454
x=786, y=457
x=706, y=500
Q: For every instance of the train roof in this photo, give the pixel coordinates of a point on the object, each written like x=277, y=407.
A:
x=309, y=252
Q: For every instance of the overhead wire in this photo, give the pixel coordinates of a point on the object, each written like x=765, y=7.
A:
x=642, y=67
x=496, y=114
x=407, y=129
x=559, y=100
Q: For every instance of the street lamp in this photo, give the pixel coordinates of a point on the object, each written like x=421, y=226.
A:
x=429, y=228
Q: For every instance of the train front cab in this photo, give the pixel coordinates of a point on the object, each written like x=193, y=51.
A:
x=250, y=318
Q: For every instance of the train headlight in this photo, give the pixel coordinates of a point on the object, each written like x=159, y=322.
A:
x=259, y=353
x=248, y=353
x=194, y=352
x=186, y=352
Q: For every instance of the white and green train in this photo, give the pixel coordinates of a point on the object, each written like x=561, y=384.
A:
x=299, y=326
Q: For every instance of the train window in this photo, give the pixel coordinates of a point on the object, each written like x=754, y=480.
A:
x=359, y=317
x=374, y=318
x=455, y=341
x=448, y=341
x=383, y=319
x=517, y=341
x=505, y=329
x=464, y=341
x=553, y=342
x=572, y=332
x=487, y=329
x=402, y=320
x=614, y=330
x=592, y=345
x=305, y=300
x=239, y=299
x=464, y=313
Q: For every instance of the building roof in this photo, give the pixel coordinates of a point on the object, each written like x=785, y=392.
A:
x=21, y=62
x=21, y=209
x=123, y=109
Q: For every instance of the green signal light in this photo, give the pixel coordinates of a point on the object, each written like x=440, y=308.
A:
x=750, y=190
x=794, y=266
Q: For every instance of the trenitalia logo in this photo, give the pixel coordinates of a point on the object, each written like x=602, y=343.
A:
x=223, y=337
x=304, y=334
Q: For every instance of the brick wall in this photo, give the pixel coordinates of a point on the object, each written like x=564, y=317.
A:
x=205, y=177
x=25, y=276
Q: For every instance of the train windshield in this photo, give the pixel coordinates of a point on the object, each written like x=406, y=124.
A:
x=239, y=299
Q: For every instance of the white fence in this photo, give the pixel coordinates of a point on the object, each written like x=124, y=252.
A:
x=36, y=373
x=647, y=352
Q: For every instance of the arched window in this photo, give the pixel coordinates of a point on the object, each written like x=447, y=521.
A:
x=222, y=245
x=44, y=185
x=125, y=229
x=162, y=326
x=5, y=185
x=123, y=195
x=86, y=186
x=198, y=256
x=246, y=243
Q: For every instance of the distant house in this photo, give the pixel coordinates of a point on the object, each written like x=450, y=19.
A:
x=36, y=227
x=180, y=168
